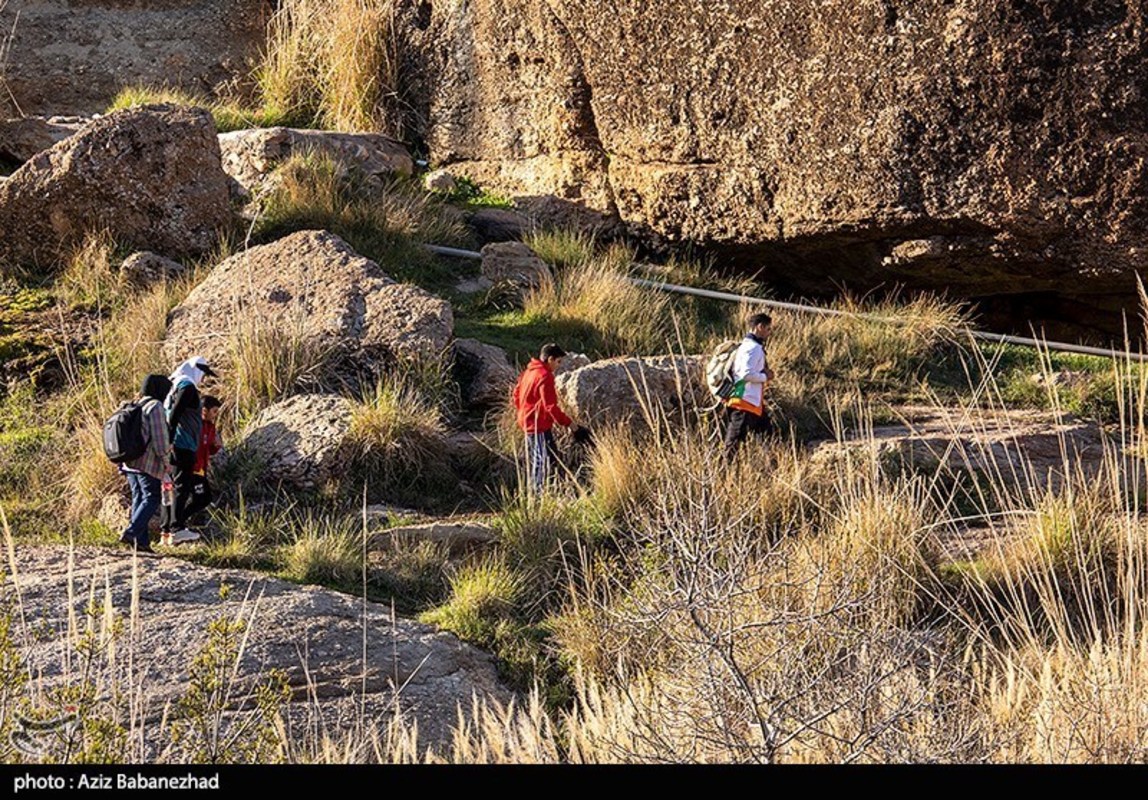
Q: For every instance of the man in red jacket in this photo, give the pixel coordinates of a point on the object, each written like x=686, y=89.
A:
x=536, y=402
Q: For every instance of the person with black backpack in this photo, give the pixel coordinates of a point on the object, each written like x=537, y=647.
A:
x=147, y=426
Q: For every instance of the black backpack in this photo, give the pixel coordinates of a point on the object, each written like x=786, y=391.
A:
x=123, y=433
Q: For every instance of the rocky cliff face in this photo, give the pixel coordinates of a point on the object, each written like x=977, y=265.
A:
x=72, y=56
x=985, y=147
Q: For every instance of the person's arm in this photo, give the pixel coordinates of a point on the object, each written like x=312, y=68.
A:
x=159, y=440
x=550, y=402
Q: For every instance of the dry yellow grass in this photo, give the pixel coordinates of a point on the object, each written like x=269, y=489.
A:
x=335, y=61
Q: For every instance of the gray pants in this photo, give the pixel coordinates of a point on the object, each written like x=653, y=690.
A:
x=541, y=458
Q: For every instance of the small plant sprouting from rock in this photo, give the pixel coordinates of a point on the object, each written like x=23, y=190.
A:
x=217, y=723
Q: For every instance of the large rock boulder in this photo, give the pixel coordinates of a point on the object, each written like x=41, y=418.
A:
x=21, y=139
x=298, y=442
x=621, y=390
x=310, y=286
x=73, y=56
x=250, y=156
x=571, y=362
x=346, y=662
x=149, y=176
x=981, y=147
x=515, y=263
x=483, y=372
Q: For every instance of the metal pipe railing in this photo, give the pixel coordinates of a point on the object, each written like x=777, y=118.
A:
x=802, y=308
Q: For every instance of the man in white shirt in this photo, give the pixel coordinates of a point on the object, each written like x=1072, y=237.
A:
x=745, y=410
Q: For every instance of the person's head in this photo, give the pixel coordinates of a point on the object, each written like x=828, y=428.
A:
x=760, y=324
x=211, y=406
x=155, y=387
x=551, y=355
x=193, y=369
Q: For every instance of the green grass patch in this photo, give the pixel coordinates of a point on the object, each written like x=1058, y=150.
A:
x=386, y=223
x=228, y=116
x=522, y=334
x=469, y=194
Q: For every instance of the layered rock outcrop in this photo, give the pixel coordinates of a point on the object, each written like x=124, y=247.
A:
x=73, y=56
x=973, y=146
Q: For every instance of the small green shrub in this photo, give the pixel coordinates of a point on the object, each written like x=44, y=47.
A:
x=326, y=550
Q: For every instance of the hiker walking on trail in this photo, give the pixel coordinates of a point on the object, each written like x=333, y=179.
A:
x=185, y=425
x=210, y=443
x=146, y=473
x=745, y=408
x=536, y=404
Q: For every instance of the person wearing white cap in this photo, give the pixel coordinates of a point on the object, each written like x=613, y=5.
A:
x=185, y=421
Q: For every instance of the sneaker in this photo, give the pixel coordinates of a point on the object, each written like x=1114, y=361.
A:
x=165, y=538
x=146, y=549
x=129, y=541
x=183, y=536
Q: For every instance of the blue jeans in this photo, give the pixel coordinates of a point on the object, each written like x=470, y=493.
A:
x=540, y=453
x=145, y=502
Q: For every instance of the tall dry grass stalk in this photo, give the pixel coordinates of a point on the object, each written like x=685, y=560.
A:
x=397, y=440
x=268, y=364
x=831, y=361
x=386, y=223
x=7, y=35
x=335, y=61
x=596, y=294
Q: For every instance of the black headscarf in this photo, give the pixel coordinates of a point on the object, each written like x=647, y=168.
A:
x=156, y=387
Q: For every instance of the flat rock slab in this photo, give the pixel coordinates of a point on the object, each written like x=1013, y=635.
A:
x=316, y=636
x=1022, y=447
x=456, y=537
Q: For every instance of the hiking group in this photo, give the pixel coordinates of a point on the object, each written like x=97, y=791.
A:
x=737, y=375
x=164, y=440
x=163, y=443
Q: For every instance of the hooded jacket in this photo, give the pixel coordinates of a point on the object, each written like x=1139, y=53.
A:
x=184, y=408
x=536, y=400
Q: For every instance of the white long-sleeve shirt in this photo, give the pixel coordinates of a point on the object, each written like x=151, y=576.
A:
x=749, y=366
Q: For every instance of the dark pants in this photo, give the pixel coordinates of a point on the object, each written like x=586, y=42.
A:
x=145, y=501
x=739, y=425
x=201, y=496
x=183, y=477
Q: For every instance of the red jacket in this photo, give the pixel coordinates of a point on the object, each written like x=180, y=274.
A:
x=536, y=400
x=209, y=445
